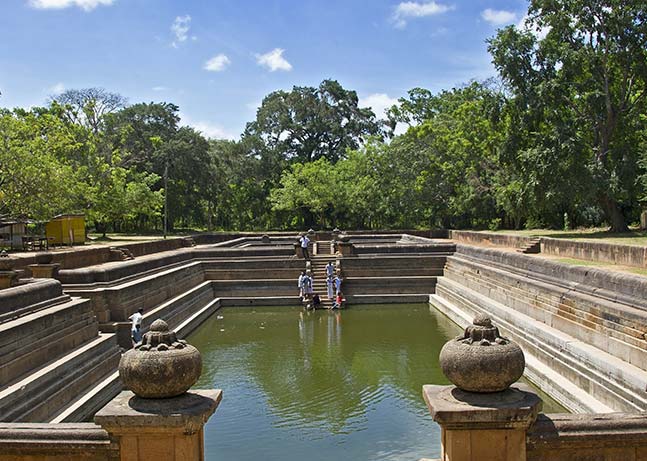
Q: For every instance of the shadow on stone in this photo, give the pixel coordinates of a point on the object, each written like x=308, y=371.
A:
x=511, y=397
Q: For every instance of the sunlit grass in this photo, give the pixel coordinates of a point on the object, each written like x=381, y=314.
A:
x=634, y=237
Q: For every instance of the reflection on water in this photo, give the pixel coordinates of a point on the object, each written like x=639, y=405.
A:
x=322, y=385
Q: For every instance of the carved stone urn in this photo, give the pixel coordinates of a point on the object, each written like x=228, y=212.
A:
x=44, y=258
x=481, y=360
x=161, y=366
x=345, y=238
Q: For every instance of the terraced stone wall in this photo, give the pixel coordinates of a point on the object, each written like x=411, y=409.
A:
x=582, y=329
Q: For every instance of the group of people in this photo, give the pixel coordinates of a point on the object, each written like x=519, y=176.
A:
x=333, y=288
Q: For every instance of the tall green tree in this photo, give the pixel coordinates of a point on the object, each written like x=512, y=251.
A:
x=580, y=92
x=35, y=180
x=309, y=123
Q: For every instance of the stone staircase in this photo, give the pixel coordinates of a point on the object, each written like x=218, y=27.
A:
x=318, y=267
x=51, y=354
x=532, y=247
x=587, y=352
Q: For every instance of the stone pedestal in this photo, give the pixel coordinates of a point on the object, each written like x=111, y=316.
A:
x=7, y=278
x=44, y=271
x=483, y=426
x=345, y=248
x=159, y=429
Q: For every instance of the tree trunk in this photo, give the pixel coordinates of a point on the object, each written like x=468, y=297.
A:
x=613, y=214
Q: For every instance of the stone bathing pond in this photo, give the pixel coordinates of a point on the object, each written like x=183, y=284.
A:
x=321, y=385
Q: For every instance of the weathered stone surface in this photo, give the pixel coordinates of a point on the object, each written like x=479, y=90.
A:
x=515, y=408
x=161, y=366
x=582, y=329
x=6, y=261
x=187, y=412
x=49, y=442
x=159, y=429
x=565, y=437
x=44, y=258
x=44, y=271
x=481, y=360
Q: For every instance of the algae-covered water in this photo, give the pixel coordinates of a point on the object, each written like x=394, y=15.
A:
x=322, y=385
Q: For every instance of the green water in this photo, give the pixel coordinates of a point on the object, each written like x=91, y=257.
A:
x=322, y=385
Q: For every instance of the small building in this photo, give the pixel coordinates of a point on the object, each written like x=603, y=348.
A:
x=12, y=232
x=66, y=229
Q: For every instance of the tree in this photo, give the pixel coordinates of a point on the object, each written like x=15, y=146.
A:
x=311, y=188
x=308, y=123
x=35, y=179
x=582, y=89
x=89, y=106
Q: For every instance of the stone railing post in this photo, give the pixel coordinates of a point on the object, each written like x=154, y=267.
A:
x=344, y=245
x=8, y=276
x=44, y=269
x=157, y=419
x=481, y=417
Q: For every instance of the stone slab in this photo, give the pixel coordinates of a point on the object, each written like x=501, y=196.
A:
x=452, y=408
x=186, y=413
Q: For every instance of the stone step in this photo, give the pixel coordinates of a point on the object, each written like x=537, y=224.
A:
x=532, y=247
x=609, y=379
x=31, y=341
x=30, y=296
x=583, y=308
x=564, y=309
x=90, y=401
x=117, y=302
x=49, y=389
x=553, y=383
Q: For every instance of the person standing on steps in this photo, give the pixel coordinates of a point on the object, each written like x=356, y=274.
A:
x=136, y=326
x=338, y=285
x=305, y=241
x=310, y=285
x=300, y=283
x=329, y=287
x=330, y=269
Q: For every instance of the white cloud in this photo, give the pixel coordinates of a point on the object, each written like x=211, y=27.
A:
x=379, y=103
x=274, y=60
x=208, y=129
x=540, y=33
x=86, y=5
x=498, y=17
x=407, y=10
x=56, y=89
x=159, y=88
x=180, y=29
x=218, y=63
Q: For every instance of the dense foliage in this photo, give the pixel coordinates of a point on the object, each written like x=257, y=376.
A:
x=558, y=139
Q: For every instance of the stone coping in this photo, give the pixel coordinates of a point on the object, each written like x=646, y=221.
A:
x=187, y=412
x=63, y=441
x=588, y=430
x=614, y=286
x=452, y=408
x=32, y=295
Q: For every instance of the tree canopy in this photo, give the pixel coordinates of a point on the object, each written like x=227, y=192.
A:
x=558, y=138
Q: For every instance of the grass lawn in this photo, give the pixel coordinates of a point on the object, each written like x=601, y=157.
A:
x=633, y=237
x=602, y=265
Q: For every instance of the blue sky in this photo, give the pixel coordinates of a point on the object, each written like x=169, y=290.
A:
x=217, y=59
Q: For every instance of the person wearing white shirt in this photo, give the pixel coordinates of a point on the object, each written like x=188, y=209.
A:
x=305, y=241
x=135, y=329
